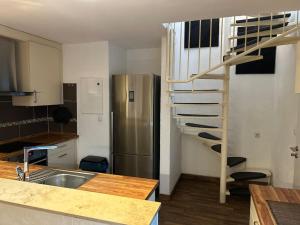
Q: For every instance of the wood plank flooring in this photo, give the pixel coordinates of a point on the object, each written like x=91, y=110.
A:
x=196, y=202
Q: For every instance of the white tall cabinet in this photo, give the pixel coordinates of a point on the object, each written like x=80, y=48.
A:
x=39, y=68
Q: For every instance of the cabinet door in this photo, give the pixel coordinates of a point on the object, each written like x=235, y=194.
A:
x=64, y=157
x=41, y=72
x=254, y=220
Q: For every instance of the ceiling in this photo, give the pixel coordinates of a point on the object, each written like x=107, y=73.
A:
x=127, y=23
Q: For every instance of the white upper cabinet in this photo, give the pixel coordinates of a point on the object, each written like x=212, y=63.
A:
x=39, y=71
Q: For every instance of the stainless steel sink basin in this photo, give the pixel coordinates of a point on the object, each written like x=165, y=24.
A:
x=65, y=180
x=61, y=178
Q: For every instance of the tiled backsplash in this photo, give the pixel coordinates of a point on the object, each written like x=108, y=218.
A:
x=18, y=121
x=70, y=101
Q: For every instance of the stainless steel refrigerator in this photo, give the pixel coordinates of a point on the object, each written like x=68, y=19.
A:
x=135, y=121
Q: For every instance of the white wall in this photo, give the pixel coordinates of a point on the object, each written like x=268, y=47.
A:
x=102, y=59
x=89, y=60
x=260, y=105
x=117, y=59
x=170, y=141
x=141, y=61
x=286, y=111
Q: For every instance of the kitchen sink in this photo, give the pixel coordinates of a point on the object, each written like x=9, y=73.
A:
x=61, y=178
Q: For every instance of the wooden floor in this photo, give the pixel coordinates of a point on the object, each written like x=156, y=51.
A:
x=197, y=202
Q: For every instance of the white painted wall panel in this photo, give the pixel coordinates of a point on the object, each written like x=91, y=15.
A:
x=141, y=61
x=89, y=60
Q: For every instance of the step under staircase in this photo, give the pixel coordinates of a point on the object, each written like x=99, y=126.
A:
x=248, y=36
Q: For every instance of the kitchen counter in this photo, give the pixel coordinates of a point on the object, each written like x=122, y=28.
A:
x=132, y=187
x=42, y=138
x=96, y=207
x=262, y=194
x=105, y=198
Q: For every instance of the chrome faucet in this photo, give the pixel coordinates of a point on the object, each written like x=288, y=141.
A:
x=24, y=174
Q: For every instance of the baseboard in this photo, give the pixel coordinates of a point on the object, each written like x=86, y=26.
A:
x=200, y=178
x=175, y=186
x=163, y=197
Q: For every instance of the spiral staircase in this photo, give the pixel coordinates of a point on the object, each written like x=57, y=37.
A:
x=241, y=41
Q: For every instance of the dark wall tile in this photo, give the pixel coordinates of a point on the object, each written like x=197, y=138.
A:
x=51, y=108
x=40, y=111
x=9, y=113
x=9, y=132
x=6, y=111
x=34, y=128
x=70, y=92
x=55, y=127
x=71, y=127
x=22, y=113
x=72, y=106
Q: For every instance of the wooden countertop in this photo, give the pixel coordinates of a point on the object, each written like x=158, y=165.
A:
x=260, y=195
x=42, y=138
x=131, y=187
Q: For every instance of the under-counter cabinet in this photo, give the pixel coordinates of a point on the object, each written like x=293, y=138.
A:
x=39, y=69
x=64, y=157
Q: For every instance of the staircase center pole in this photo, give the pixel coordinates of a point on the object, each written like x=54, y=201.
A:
x=224, y=148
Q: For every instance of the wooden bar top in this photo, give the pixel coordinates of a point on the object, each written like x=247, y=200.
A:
x=42, y=138
x=260, y=195
x=132, y=187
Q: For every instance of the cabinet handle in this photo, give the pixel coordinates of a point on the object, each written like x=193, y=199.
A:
x=63, y=155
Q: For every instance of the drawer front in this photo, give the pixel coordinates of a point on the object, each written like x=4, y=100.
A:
x=64, y=156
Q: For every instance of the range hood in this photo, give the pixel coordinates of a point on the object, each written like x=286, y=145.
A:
x=8, y=69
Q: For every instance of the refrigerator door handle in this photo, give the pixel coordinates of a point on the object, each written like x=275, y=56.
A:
x=112, y=142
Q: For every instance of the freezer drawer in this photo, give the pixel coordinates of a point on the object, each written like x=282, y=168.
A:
x=134, y=165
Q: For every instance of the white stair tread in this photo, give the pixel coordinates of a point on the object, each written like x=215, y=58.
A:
x=195, y=116
x=199, y=129
x=205, y=141
x=281, y=41
x=245, y=59
x=264, y=17
x=264, y=33
x=246, y=175
x=185, y=105
x=261, y=23
x=258, y=170
x=211, y=76
x=196, y=91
